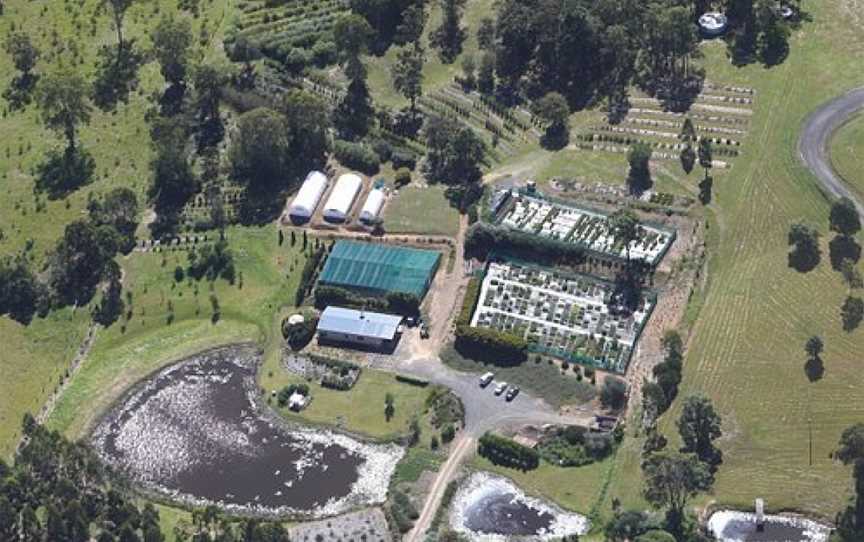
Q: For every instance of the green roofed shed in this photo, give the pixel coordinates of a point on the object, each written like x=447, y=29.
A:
x=378, y=269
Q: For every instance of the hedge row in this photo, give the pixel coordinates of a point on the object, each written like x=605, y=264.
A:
x=490, y=345
x=508, y=453
x=357, y=156
x=412, y=381
x=395, y=302
x=482, y=239
x=307, y=277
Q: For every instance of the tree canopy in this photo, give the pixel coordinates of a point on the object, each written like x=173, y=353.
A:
x=699, y=426
x=844, y=218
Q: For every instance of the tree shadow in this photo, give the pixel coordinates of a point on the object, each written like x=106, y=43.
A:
x=555, y=138
x=814, y=369
x=64, y=172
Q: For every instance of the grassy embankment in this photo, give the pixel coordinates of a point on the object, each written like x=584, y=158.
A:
x=35, y=357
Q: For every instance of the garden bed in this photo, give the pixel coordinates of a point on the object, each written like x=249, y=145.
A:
x=567, y=316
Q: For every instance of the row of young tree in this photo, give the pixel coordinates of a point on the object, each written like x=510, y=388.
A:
x=805, y=254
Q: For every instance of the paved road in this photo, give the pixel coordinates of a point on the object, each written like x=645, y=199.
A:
x=815, y=138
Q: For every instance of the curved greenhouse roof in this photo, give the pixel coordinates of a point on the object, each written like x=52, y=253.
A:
x=309, y=195
x=342, y=198
x=373, y=205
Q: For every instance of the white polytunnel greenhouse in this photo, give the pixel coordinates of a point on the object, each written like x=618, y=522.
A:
x=342, y=198
x=373, y=205
x=309, y=196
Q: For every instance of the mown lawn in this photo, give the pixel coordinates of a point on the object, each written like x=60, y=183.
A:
x=422, y=211
x=847, y=153
x=746, y=351
x=267, y=277
x=557, y=483
x=435, y=73
x=359, y=410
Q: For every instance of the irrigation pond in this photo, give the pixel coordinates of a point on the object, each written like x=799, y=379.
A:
x=732, y=526
x=489, y=507
x=196, y=433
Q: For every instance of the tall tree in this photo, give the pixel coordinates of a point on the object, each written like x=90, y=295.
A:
x=408, y=74
x=486, y=74
x=805, y=254
x=814, y=346
x=852, y=312
x=118, y=209
x=625, y=228
x=851, y=452
x=62, y=99
x=639, y=176
x=553, y=109
x=118, y=13
x=706, y=155
x=699, y=426
x=671, y=480
x=208, y=81
x=172, y=41
x=308, y=119
x=486, y=34
x=259, y=149
x=449, y=36
x=844, y=218
x=22, y=51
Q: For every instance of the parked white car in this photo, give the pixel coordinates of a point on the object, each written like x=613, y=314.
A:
x=486, y=379
x=500, y=388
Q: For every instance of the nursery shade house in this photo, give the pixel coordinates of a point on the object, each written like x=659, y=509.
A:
x=309, y=196
x=342, y=198
x=376, y=269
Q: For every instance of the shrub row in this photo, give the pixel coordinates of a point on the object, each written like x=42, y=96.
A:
x=412, y=381
x=395, y=302
x=482, y=239
x=357, y=156
x=307, y=277
x=508, y=453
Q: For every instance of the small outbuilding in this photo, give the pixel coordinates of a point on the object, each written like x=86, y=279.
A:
x=309, y=195
x=342, y=198
x=361, y=328
x=373, y=205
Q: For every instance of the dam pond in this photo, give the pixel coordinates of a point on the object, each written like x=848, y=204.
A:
x=734, y=526
x=196, y=433
x=489, y=507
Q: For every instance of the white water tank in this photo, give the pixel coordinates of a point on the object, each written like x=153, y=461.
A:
x=308, y=196
x=373, y=205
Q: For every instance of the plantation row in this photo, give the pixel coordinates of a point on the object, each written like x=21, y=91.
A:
x=657, y=123
x=299, y=31
x=694, y=115
x=663, y=135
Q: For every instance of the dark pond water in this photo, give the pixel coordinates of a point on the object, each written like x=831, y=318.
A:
x=741, y=527
x=505, y=515
x=489, y=507
x=194, y=432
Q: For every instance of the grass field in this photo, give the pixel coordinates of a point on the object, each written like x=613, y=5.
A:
x=269, y=279
x=421, y=210
x=847, y=153
x=35, y=357
x=359, y=410
x=556, y=483
x=435, y=73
